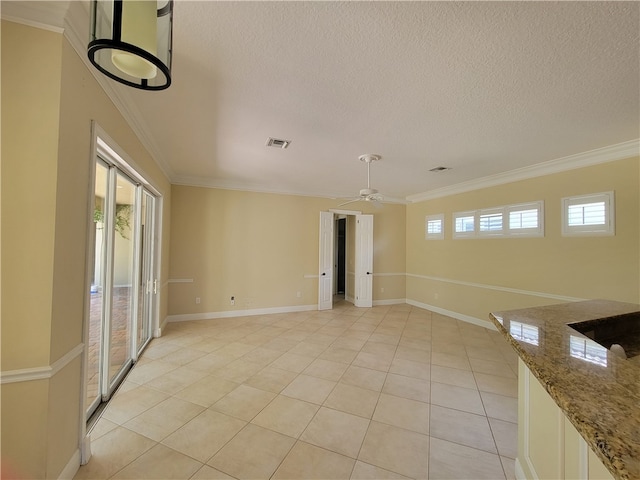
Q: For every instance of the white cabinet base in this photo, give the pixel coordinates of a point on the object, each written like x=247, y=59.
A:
x=549, y=446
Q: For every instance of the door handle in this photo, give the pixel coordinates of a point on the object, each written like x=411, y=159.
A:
x=368, y=273
x=324, y=273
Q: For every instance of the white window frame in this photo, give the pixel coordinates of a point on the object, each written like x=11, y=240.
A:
x=525, y=232
x=491, y=212
x=466, y=234
x=433, y=218
x=605, y=229
x=505, y=212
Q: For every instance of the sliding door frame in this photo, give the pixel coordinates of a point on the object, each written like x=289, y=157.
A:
x=106, y=151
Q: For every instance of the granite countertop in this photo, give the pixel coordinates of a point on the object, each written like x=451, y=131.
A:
x=598, y=391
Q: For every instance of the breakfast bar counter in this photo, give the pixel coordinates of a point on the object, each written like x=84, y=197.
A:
x=596, y=389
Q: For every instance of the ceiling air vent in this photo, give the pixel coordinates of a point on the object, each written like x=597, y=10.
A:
x=439, y=169
x=278, y=143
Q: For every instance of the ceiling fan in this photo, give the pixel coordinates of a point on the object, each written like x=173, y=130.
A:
x=367, y=194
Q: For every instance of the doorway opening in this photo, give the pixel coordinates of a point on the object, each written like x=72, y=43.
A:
x=340, y=288
x=345, y=258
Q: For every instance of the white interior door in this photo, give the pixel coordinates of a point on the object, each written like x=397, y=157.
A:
x=364, y=261
x=325, y=270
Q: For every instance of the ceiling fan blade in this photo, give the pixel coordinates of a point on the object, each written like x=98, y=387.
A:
x=350, y=201
x=376, y=203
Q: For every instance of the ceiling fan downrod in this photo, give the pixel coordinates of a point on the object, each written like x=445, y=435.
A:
x=368, y=158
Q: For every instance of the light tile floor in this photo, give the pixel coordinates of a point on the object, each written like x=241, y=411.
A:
x=361, y=393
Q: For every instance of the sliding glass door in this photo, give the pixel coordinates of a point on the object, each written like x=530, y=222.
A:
x=147, y=283
x=123, y=286
x=94, y=369
x=117, y=338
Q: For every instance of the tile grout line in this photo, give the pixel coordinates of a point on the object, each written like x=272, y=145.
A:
x=387, y=324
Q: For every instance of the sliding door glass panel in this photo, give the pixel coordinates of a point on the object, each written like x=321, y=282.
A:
x=94, y=364
x=122, y=292
x=146, y=285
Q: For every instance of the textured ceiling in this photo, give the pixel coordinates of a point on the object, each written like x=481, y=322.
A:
x=481, y=87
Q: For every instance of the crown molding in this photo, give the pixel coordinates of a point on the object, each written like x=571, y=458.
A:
x=189, y=181
x=39, y=14
x=611, y=153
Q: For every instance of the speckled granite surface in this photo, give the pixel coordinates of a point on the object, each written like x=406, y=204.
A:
x=597, y=390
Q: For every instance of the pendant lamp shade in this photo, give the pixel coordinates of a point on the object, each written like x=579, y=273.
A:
x=131, y=41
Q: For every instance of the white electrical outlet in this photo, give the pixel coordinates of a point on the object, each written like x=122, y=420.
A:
x=298, y=294
x=197, y=300
x=233, y=300
x=381, y=289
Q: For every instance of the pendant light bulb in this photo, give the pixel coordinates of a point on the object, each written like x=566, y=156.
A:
x=139, y=28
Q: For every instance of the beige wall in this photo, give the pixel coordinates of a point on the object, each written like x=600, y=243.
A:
x=258, y=247
x=49, y=98
x=479, y=270
x=30, y=110
x=28, y=194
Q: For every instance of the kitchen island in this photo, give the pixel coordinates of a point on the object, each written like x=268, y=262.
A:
x=579, y=402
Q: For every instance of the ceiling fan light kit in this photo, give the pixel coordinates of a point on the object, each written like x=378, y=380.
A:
x=131, y=41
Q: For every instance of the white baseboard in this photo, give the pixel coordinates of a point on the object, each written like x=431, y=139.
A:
x=391, y=301
x=71, y=468
x=85, y=449
x=305, y=308
x=163, y=325
x=520, y=471
x=456, y=315
x=240, y=313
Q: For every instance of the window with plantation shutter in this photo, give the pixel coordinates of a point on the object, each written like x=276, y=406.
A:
x=588, y=215
x=526, y=220
x=464, y=224
x=490, y=221
x=434, y=227
x=520, y=220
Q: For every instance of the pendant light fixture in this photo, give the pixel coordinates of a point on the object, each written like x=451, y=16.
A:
x=131, y=41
